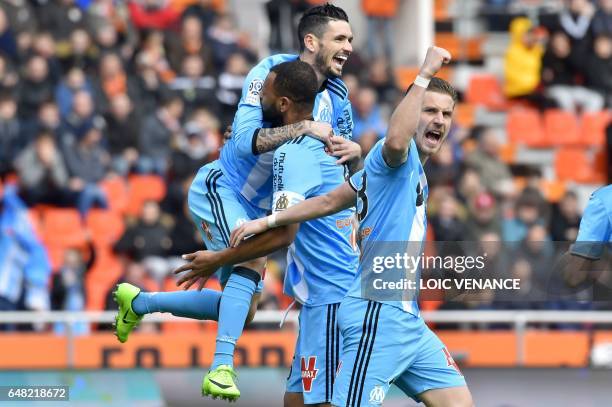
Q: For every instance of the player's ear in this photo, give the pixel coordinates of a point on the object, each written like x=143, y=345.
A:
x=311, y=42
x=284, y=104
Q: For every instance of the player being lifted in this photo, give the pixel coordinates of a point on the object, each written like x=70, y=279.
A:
x=322, y=262
x=387, y=341
x=238, y=187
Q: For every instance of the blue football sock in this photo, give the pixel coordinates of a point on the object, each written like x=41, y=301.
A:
x=233, y=312
x=195, y=304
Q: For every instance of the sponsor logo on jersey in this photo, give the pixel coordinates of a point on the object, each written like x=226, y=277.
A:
x=309, y=372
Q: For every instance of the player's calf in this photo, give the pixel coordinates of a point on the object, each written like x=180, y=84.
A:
x=448, y=397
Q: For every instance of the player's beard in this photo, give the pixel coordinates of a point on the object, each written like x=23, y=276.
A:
x=272, y=115
x=323, y=65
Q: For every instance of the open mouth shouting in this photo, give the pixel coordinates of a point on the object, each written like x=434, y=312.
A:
x=433, y=137
x=339, y=60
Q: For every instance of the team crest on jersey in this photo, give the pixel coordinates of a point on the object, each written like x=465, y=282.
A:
x=282, y=203
x=325, y=113
x=377, y=395
x=309, y=372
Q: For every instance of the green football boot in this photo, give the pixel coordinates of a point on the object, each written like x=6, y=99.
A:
x=220, y=383
x=126, y=318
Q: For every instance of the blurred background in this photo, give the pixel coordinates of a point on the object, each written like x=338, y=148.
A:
x=108, y=108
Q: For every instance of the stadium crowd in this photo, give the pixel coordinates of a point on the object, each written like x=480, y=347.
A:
x=99, y=93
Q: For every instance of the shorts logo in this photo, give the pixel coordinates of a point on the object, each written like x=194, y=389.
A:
x=252, y=96
x=282, y=203
x=377, y=395
x=309, y=372
x=450, y=361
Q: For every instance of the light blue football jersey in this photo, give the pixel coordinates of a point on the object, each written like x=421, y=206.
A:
x=596, y=225
x=391, y=207
x=322, y=261
x=250, y=173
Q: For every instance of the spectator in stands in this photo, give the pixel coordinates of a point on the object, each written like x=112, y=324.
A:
x=87, y=162
x=485, y=159
x=204, y=10
x=446, y=223
x=80, y=118
x=158, y=130
x=381, y=78
x=8, y=42
x=45, y=45
x=193, y=147
x=442, y=169
x=61, y=18
x=36, y=87
x=81, y=52
x=602, y=20
x=483, y=217
x=565, y=219
x=380, y=14
x=190, y=42
x=11, y=142
x=8, y=77
x=24, y=266
x=148, y=241
x=224, y=40
x=153, y=55
x=74, y=81
x=523, y=60
x=43, y=177
x=559, y=75
x=68, y=287
x=123, y=129
x=283, y=16
x=574, y=20
x=195, y=85
x=531, y=209
x=112, y=80
x=230, y=86
x=47, y=119
x=469, y=186
x=369, y=126
x=598, y=70
x=151, y=88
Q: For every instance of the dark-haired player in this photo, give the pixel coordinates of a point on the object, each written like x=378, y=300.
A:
x=238, y=187
x=384, y=338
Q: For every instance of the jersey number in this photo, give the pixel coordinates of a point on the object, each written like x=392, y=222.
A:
x=362, y=198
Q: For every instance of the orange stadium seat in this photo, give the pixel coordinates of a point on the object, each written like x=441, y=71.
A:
x=116, y=192
x=593, y=129
x=524, y=126
x=600, y=167
x=553, y=190
x=105, y=226
x=405, y=75
x=485, y=90
x=573, y=164
x=63, y=227
x=143, y=188
x=561, y=127
x=507, y=153
x=465, y=115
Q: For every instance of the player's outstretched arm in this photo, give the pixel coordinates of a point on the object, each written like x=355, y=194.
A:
x=202, y=264
x=340, y=198
x=405, y=117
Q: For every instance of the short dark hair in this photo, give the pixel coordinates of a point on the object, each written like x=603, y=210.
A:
x=297, y=81
x=440, y=86
x=315, y=20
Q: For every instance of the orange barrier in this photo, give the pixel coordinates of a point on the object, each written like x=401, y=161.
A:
x=266, y=348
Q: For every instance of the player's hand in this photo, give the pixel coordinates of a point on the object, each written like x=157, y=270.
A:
x=200, y=266
x=321, y=131
x=247, y=229
x=348, y=151
x=435, y=58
